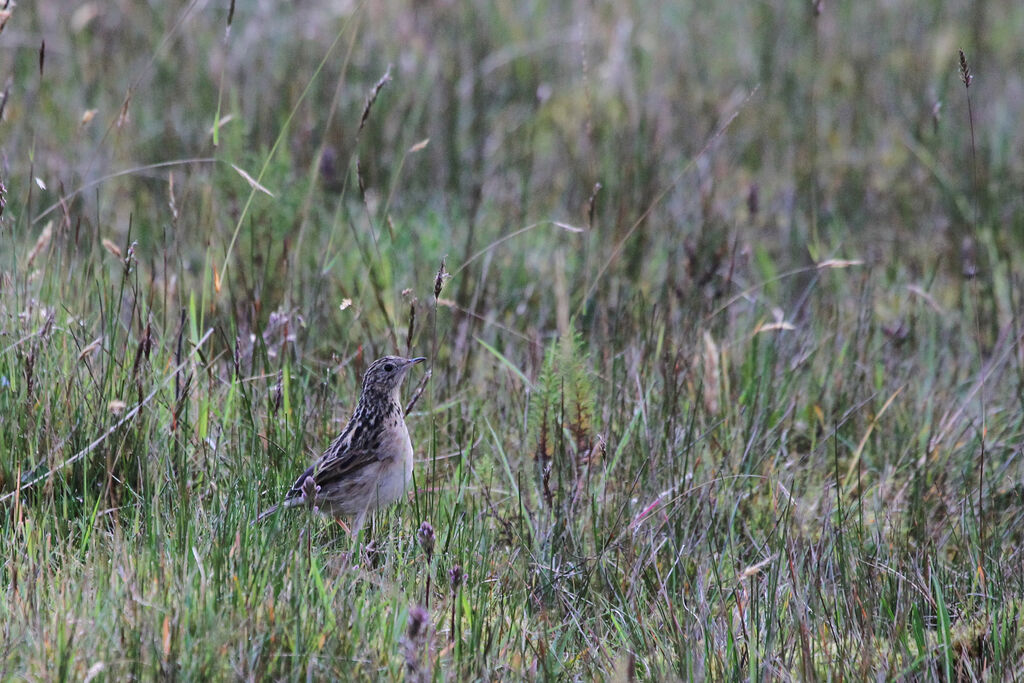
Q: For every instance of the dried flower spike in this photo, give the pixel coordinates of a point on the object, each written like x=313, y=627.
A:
x=418, y=618
x=456, y=576
x=426, y=538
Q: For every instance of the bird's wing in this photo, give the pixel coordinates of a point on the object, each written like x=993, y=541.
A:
x=338, y=461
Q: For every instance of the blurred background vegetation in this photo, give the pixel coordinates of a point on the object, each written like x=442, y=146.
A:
x=754, y=267
x=856, y=139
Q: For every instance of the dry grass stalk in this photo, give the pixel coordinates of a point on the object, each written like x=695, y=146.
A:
x=41, y=244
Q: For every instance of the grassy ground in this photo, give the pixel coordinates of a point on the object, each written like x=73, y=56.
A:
x=721, y=302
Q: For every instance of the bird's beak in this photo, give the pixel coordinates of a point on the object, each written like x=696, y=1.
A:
x=416, y=361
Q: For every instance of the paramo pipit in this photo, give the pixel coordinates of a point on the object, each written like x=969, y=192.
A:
x=369, y=465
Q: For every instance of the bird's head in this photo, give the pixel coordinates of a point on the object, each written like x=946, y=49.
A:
x=385, y=375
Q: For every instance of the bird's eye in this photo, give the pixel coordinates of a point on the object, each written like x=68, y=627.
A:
x=388, y=367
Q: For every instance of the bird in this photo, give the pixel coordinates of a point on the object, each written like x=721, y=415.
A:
x=369, y=464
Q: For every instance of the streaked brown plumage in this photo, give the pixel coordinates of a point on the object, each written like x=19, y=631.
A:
x=368, y=465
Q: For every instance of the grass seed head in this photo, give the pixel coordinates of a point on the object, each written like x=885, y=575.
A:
x=373, y=97
x=442, y=275
x=111, y=247
x=965, y=71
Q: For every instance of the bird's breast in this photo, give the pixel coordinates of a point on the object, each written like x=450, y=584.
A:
x=396, y=459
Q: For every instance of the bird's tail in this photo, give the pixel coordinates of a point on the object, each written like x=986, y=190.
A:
x=266, y=513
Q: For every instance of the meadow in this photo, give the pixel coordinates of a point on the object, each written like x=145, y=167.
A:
x=721, y=304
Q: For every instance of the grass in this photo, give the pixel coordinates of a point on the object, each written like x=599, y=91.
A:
x=725, y=351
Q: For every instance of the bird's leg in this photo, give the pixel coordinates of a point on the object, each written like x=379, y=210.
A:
x=358, y=524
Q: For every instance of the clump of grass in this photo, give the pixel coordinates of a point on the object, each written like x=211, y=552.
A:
x=563, y=407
